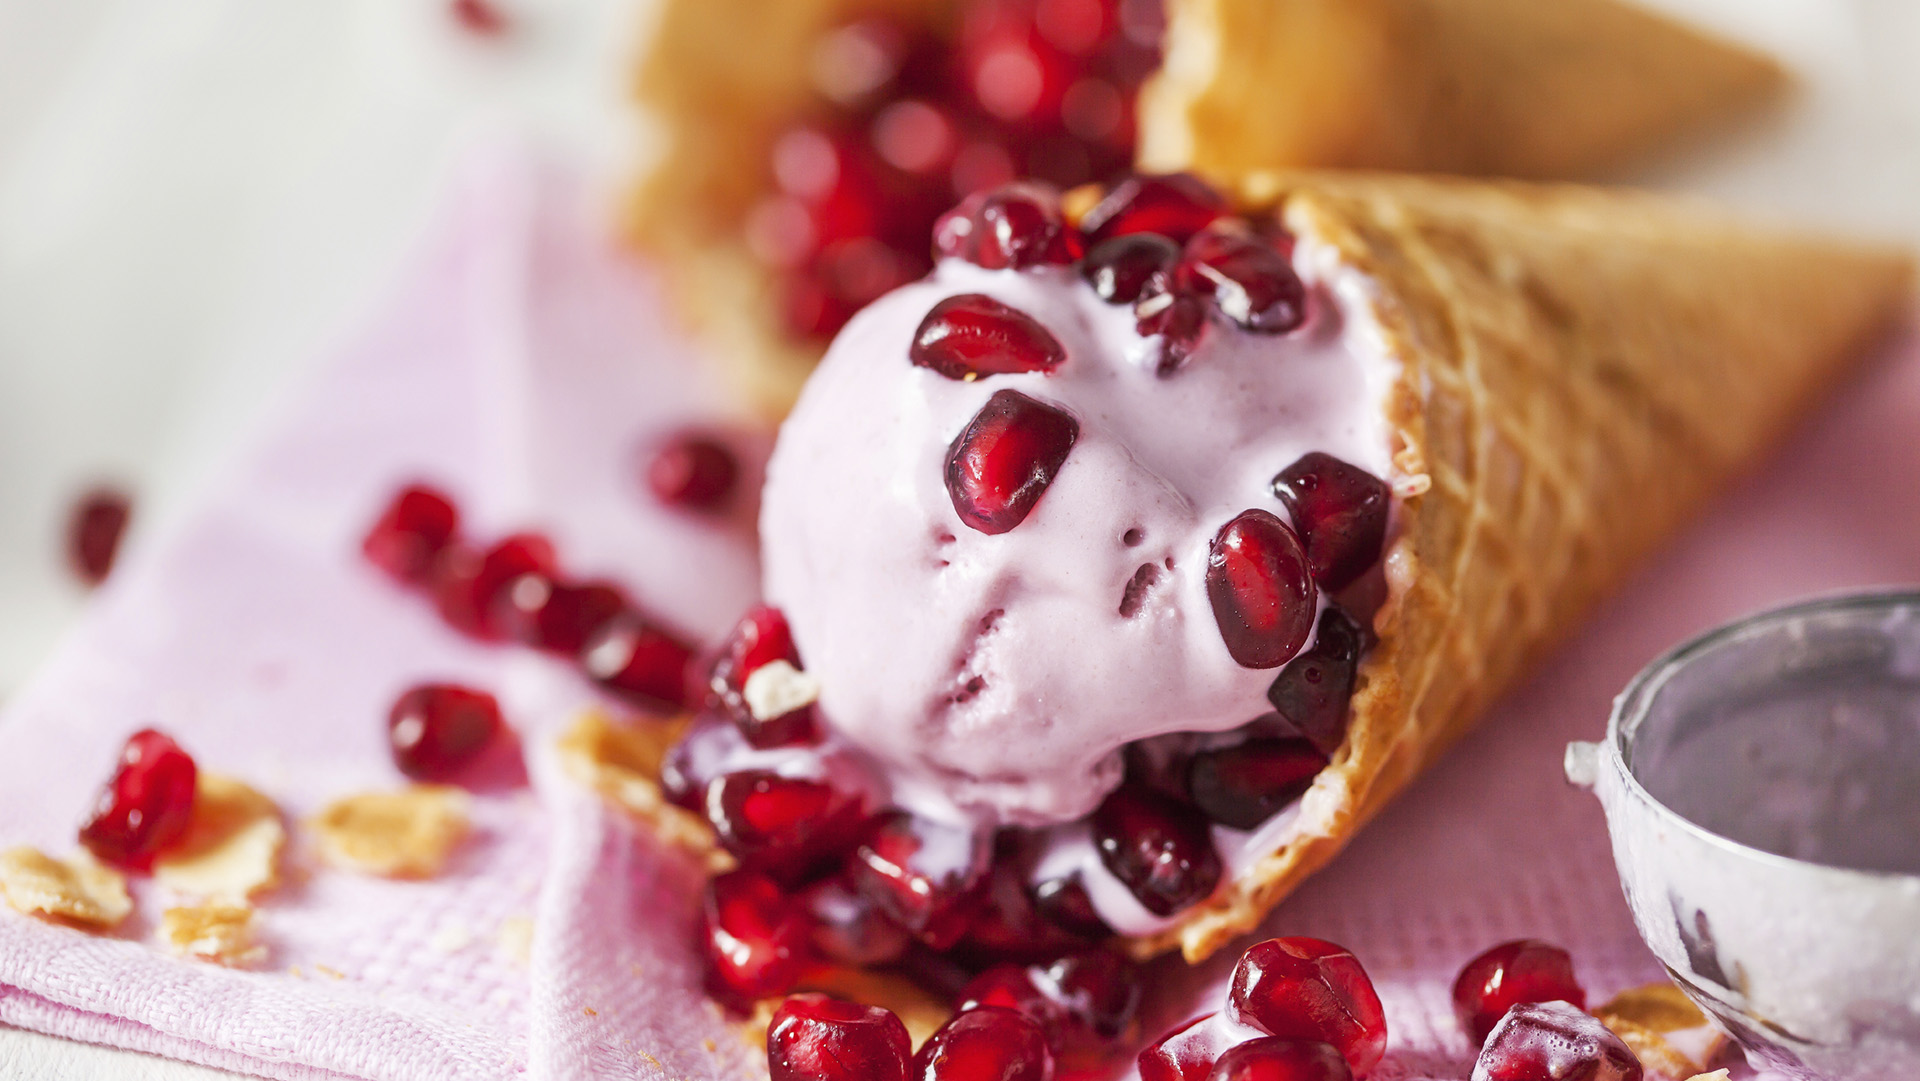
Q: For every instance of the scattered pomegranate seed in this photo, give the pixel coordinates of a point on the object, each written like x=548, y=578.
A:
x=415, y=528
x=1012, y=987
x=437, y=730
x=760, y=638
x=479, y=17
x=641, y=663
x=970, y=336
x=1015, y=226
x=817, y=1038
x=1263, y=597
x=985, y=1044
x=1510, y=974
x=1340, y=512
x=1311, y=693
x=1188, y=1052
x=93, y=533
x=848, y=928
x=1248, y=281
x=145, y=806
x=755, y=940
x=1001, y=464
x=1176, y=206
x=1121, y=268
x=1180, y=321
x=922, y=874
x=1008, y=923
x=1158, y=849
x=1099, y=989
x=471, y=587
x=556, y=616
x=787, y=827
x=692, y=471
x=1064, y=902
x=696, y=758
x=1307, y=989
x=1275, y=1059
x=1244, y=785
x=1552, y=1041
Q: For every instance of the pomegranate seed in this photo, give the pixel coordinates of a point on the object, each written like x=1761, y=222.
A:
x=1263, y=597
x=1007, y=922
x=1176, y=206
x=1001, y=464
x=1552, y=1041
x=1120, y=269
x=787, y=827
x=557, y=616
x=985, y=1044
x=1180, y=321
x=760, y=638
x=1065, y=903
x=1340, y=512
x=970, y=336
x=479, y=17
x=437, y=730
x=1248, y=281
x=93, y=533
x=1188, y=1052
x=471, y=588
x=1244, y=785
x=1306, y=989
x=1099, y=989
x=641, y=663
x=848, y=928
x=1510, y=974
x=922, y=874
x=1015, y=226
x=692, y=471
x=697, y=758
x=755, y=940
x=1311, y=693
x=1274, y=1059
x=145, y=806
x=817, y=1038
x=1012, y=987
x=412, y=532
x=1158, y=849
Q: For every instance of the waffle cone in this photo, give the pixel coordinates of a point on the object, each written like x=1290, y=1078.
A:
x=1580, y=369
x=1522, y=88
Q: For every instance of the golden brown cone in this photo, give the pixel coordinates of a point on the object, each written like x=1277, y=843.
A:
x=1523, y=88
x=1580, y=369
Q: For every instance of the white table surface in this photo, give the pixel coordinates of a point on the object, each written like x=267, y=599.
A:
x=197, y=197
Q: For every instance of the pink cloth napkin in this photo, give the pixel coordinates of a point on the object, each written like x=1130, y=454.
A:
x=520, y=364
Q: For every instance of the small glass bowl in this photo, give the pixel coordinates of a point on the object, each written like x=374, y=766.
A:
x=1762, y=790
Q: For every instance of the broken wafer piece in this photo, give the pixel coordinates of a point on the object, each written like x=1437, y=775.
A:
x=410, y=833
x=75, y=891
x=231, y=850
x=622, y=763
x=1665, y=1029
x=219, y=932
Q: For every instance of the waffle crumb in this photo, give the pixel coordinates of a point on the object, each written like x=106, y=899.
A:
x=622, y=763
x=329, y=972
x=75, y=891
x=217, y=932
x=1663, y=1027
x=1717, y=1075
x=231, y=850
x=516, y=938
x=406, y=834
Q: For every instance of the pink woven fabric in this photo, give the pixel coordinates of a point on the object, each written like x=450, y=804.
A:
x=519, y=365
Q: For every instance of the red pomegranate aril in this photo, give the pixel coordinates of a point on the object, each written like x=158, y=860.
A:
x=1176, y=206
x=760, y=638
x=694, y=471
x=93, y=533
x=1065, y=903
x=437, y=730
x=145, y=806
x=1180, y=321
x=471, y=587
x=921, y=874
x=411, y=533
x=788, y=827
x=1189, y=1052
x=816, y=1038
x=755, y=939
x=1552, y=1041
x=1262, y=594
x=1160, y=850
x=1275, y=1059
x=1010, y=986
x=989, y=1043
x=1120, y=269
x=1004, y=460
x=1244, y=785
x=696, y=758
x=1340, y=512
x=1312, y=692
x=969, y=336
x=1099, y=990
x=848, y=928
x=1012, y=227
x=1307, y=989
x=1247, y=280
x=1508, y=975
x=1007, y=923
x=555, y=616
x=641, y=663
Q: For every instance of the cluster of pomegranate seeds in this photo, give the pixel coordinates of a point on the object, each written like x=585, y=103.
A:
x=986, y=1043
x=1244, y=785
x=1340, y=511
x=1003, y=461
x=1308, y=989
x=756, y=938
x=971, y=336
x=1553, y=1041
x=692, y=471
x=555, y=616
x=1310, y=695
x=1012, y=227
x=1159, y=849
x=1509, y=975
x=787, y=827
x=472, y=586
x=93, y=533
x=817, y=1038
x=146, y=804
x=761, y=638
x=438, y=730
x=1262, y=593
